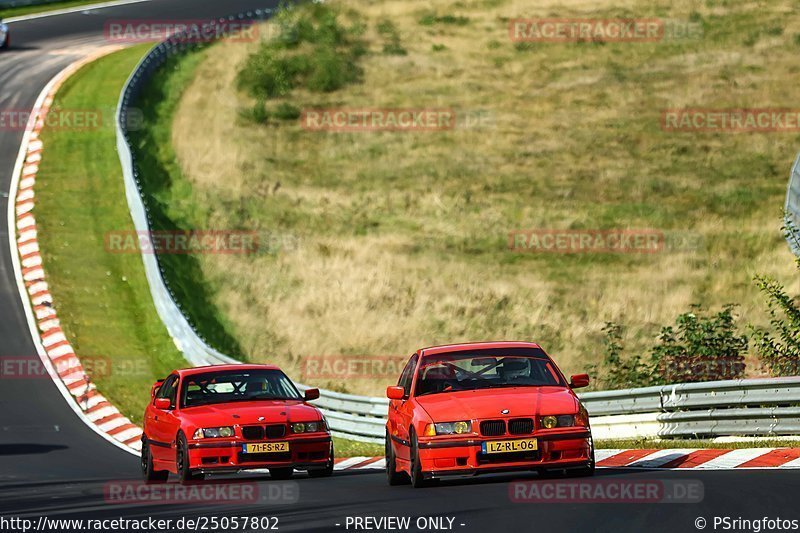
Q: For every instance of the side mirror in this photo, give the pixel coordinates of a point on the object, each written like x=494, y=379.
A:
x=579, y=380
x=311, y=394
x=162, y=403
x=395, y=393
x=155, y=387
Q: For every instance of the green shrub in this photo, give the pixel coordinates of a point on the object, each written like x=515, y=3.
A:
x=286, y=111
x=328, y=62
x=331, y=71
x=621, y=372
x=779, y=350
x=699, y=349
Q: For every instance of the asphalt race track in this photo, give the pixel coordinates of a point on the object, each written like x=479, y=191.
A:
x=52, y=465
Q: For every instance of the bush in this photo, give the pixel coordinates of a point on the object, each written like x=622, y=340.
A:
x=266, y=76
x=782, y=354
x=699, y=349
x=327, y=64
x=286, y=111
x=696, y=349
x=331, y=71
x=258, y=113
x=621, y=372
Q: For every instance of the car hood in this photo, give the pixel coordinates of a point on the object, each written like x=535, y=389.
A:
x=489, y=403
x=272, y=411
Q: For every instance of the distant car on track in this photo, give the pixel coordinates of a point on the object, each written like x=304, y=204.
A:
x=229, y=418
x=468, y=409
x=5, y=35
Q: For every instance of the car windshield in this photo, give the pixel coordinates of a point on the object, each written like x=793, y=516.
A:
x=486, y=369
x=237, y=386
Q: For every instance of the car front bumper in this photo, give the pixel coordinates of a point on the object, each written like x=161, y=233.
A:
x=464, y=456
x=226, y=455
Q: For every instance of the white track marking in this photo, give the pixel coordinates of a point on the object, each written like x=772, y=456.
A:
x=733, y=458
x=15, y=261
x=68, y=10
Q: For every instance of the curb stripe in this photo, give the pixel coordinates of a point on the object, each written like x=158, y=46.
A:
x=695, y=458
x=773, y=458
x=625, y=457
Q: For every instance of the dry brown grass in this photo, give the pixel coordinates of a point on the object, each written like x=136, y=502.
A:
x=403, y=234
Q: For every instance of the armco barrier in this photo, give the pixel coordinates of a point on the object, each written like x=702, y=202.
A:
x=762, y=407
x=354, y=417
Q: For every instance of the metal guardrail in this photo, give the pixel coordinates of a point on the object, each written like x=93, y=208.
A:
x=355, y=417
x=741, y=407
x=753, y=407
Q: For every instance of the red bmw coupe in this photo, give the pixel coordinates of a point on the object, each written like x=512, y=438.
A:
x=468, y=409
x=229, y=418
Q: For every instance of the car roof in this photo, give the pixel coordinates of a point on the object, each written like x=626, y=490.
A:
x=461, y=347
x=222, y=368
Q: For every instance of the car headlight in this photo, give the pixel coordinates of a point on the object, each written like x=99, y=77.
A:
x=560, y=421
x=448, y=428
x=307, y=427
x=213, y=433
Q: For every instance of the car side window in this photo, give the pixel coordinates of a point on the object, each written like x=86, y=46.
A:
x=407, y=376
x=169, y=389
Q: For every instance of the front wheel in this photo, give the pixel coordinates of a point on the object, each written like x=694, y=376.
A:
x=417, y=477
x=185, y=474
x=324, y=472
x=149, y=474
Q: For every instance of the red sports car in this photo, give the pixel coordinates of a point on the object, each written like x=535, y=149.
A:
x=468, y=409
x=229, y=418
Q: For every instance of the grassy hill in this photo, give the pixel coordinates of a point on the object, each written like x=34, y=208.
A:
x=399, y=239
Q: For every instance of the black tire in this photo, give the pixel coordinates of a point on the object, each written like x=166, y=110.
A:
x=148, y=473
x=323, y=472
x=185, y=474
x=281, y=473
x=392, y=475
x=6, y=43
x=417, y=477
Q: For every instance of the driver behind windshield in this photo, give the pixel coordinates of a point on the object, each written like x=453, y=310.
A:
x=455, y=372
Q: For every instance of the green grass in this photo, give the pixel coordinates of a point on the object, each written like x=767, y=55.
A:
x=159, y=173
x=404, y=234
x=103, y=299
x=8, y=12
x=351, y=448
